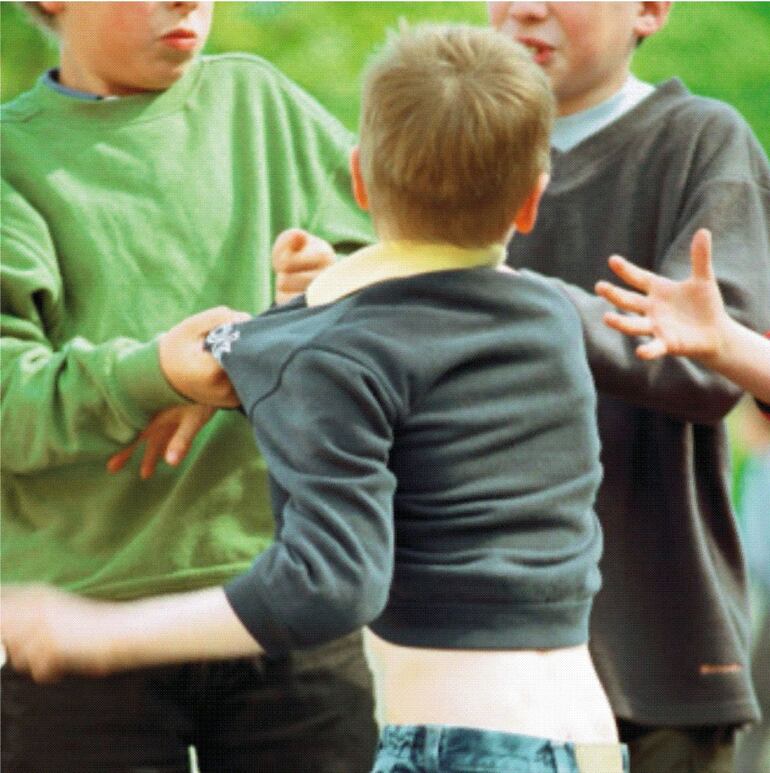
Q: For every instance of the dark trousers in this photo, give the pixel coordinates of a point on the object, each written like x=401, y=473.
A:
x=754, y=746
x=311, y=711
x=679, y=749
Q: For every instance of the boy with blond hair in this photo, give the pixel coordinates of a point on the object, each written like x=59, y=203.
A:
x=637, y=170
x=141, y=184
x=405, y=406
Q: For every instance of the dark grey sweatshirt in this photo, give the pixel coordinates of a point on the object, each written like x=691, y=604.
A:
x=670, y=628
x=434, y=459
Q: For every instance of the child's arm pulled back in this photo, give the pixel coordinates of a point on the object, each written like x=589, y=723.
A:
x=47, y=632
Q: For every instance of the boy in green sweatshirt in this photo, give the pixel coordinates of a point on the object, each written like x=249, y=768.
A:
x=142, y=184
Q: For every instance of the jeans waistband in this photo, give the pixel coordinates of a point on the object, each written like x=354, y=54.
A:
x=440, y=747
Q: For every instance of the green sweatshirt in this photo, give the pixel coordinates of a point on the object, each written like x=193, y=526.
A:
x=119, y=219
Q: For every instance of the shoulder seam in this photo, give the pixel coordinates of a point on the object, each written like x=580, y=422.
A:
x=237, y=56
x=328, y=350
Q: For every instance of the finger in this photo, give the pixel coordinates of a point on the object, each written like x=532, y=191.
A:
x=314, y=260
x=17, y=658
x=281, y=298
x=119, y=460
x=623, y=299
x=229, y=398
x=207, y=320
x=630, y=273
x=652, y=350
x=44, y=672
x=632, y=326
x=295, y=282
x=291, y=240
x=152, y=452
x=700, y=255
x=182, y=439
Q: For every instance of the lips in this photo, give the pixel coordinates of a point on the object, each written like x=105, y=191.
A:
x=542, y=52
x=181, y=38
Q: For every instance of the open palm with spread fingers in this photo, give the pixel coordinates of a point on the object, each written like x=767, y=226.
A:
x=681, y=318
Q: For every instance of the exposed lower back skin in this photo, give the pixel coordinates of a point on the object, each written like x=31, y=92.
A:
x=551, y=693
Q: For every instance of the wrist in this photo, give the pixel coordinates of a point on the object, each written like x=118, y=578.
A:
x=723, y=342
x=140, y=384
x=120, y=630
x=166, y=349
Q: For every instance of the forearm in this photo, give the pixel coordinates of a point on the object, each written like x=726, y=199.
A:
x=744, y=358
x=78, y=403
x=199, y=625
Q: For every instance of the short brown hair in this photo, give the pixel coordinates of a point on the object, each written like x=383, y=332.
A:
x=455, y=130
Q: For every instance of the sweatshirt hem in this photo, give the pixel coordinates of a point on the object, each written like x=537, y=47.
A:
x=485, y=626
x=694, y=714
x=188, y=580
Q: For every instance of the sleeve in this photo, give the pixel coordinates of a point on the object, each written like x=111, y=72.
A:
x=67, y=403
x=326, y=434
x=323, y=148
x=735, y=206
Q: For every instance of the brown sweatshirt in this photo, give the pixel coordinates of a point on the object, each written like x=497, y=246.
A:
x=670, y=628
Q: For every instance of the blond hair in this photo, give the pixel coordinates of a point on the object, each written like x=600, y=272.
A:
x=454, y=133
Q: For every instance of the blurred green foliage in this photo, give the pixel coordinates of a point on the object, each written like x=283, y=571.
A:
x=720, y=50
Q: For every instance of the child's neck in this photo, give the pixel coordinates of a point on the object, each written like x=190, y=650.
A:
x=76, y=76
x=571, y=130
x=576, y=103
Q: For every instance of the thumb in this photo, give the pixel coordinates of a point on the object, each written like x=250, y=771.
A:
x=322, y=248
x=291, y=240
x=700, y=255
x=207, y=320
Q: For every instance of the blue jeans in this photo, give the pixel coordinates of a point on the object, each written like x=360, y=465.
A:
x=443, y=749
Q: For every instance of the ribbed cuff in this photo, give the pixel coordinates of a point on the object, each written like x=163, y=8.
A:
x=140, y=384
x=257, y=617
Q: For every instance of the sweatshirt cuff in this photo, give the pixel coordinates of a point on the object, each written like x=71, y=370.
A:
x=257, y=617
x=141, y=386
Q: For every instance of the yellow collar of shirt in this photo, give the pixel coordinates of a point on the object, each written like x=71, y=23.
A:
x=395, y=260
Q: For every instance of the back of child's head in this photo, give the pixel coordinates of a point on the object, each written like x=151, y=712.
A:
x=455, y=132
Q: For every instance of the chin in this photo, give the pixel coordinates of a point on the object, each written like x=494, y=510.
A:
x=168, y=76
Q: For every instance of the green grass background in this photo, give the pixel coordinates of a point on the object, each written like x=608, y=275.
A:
x=719, y=49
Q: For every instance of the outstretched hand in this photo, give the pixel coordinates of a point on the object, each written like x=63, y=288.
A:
x=681, y=318
x=298, y=258
x=169, y=436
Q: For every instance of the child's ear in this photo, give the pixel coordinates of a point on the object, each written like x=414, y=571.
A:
x=527, y=214
x=359, y=189
x=652, y=16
